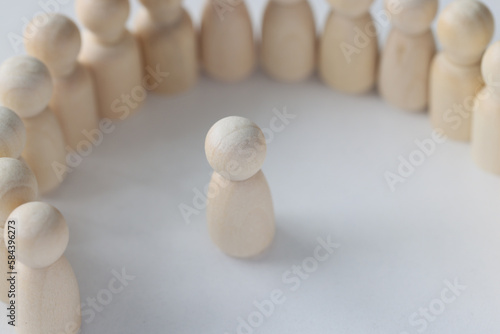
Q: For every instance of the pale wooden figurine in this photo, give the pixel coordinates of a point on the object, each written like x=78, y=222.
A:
x=239, y=210
x=57, y=44
x=486, y=114
x=168, y=40
x=17, y=186
x=227, y=42
x=26, y=88
x=406, y=58
x=48, y=298
x=465, y=28
x=348, y=53
x=12, y=134
x=288, y=49
x=113, y=56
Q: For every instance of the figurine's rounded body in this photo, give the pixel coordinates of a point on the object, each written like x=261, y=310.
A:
x=349, y=53
x=113, y=56
x=227, y=43
x=240, y=211
x=171, y=46
x=406, y=59
x=288, y=50
x=245, y=227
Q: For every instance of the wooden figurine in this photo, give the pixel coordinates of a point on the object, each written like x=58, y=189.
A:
x=57, y=44
x=288, y=50
x=348, y=53
x=227, y=43
x=168, y=40
x=26, y=88
x=113, y=56
x=404, y=68
x=48, y=298
x=239, y=210
x=486, y=114
x=465, y=28
x=17, y=186
x=12, y=134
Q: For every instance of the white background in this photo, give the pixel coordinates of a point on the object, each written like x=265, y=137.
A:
x=326, y=172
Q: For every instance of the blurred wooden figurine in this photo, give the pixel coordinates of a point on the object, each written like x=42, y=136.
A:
x=239, y=210
x=288, y=50
x=26, y=88
x=113, y=56
x=48, y=298
x=17, y=186
x=348, y=53
x=168, y=41
x=486, y=114
x=57, y=44
x=404, y=69
x=227, y=42
x=465, y=28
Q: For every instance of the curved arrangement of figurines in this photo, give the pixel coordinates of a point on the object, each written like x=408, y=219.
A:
x=57, y=97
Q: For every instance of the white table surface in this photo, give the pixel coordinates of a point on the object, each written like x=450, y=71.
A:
x=326, y=172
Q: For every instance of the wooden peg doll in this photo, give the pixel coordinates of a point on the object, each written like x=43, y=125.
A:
x=486, y=114
x=406, y=58
x=48, y=297
x=349, y=48
x=113, y=56
x=465, y=28
x=227, y=42
x=239, y=210
x=168, y=40
x=288, y=50
x=57, y=44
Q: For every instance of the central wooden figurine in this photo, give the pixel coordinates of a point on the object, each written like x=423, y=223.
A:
x=240, y=211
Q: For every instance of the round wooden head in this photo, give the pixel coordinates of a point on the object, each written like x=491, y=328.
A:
x=235, y=148
x=25, y=85
x=12, y=134
x=41, y=234
x=412, y=16
x=465, y=28
x=105, y=18
x=490, y=66
x=350, y=7
x=56, y=43
x=17, y=186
